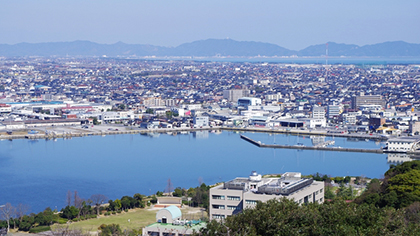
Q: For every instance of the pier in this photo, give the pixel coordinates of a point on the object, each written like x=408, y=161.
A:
x=319, y=148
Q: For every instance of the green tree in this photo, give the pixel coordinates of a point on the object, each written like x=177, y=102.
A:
x=178, y=192
x=400, y=187
x=111, y=205
x=127, y=202
x=329, y=194
x=139, y=200
x=169, y=114
x=117, y=204
x=346, y=193
x=70, y=212
x=95, y=121
x=286, y=217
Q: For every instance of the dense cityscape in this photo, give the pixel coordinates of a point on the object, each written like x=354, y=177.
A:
x=128, y=91
x=50, y=98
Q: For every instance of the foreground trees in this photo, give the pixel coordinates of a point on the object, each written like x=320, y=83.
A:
x=285, y=217
x=388, y=207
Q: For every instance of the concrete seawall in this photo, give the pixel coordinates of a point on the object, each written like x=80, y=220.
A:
x=336, y=149
x=81, y=132
x=90, y=133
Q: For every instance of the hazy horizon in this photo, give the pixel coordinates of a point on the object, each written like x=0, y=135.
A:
x=291, y=24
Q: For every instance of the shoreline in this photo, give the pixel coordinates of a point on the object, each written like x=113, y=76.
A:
x=56, y=132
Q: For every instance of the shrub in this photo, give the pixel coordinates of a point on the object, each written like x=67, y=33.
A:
x=39, y=229
x=126, y=210
x=114, y=212
x=119, y=211
x=62, y=221
x=109, y=230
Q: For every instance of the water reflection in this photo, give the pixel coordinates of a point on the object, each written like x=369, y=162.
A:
x=204, y=134
x=398, y=158
x=317, y=140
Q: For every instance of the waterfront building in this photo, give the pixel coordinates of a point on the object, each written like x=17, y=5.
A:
x=313, y=122
x=235, y=195
x=403, y=144
x=201, y=121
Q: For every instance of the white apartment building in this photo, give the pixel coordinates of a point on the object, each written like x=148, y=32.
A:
x=403, y=144
x=334, y=110
x=235, y=195
x=318, y=112
x=201, y=121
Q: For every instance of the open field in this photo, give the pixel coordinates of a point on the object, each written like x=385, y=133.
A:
x=139, y=218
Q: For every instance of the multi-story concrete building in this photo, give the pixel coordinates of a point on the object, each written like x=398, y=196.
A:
x=367, y=100
x=403, y=144
x=333, y=110
x=201, y=121
x=235, y=195
x=234, y=94
x=318, y=112
x=247, y=101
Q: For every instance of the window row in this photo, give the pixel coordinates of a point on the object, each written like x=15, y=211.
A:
x=217, y=216
x=218, y=197
x=251, y=202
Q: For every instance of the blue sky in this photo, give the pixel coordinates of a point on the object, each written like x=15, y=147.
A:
x=294, y=24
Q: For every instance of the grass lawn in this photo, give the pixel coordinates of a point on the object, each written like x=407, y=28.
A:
x=139, y=218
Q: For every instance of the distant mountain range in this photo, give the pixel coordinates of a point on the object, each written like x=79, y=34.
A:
x=208, y=48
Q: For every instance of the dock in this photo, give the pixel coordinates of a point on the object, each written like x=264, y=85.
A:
x=319, y=148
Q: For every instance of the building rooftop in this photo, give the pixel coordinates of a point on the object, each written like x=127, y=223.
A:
x=288, y=183
x=405, y=139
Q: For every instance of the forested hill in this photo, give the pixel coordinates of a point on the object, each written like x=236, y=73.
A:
x=207, y=48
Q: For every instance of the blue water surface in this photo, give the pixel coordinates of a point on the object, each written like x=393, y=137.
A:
x=40, y=173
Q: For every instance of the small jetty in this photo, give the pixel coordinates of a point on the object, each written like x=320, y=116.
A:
x=318, y=147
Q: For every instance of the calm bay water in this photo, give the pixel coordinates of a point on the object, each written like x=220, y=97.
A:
x=39, y=173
